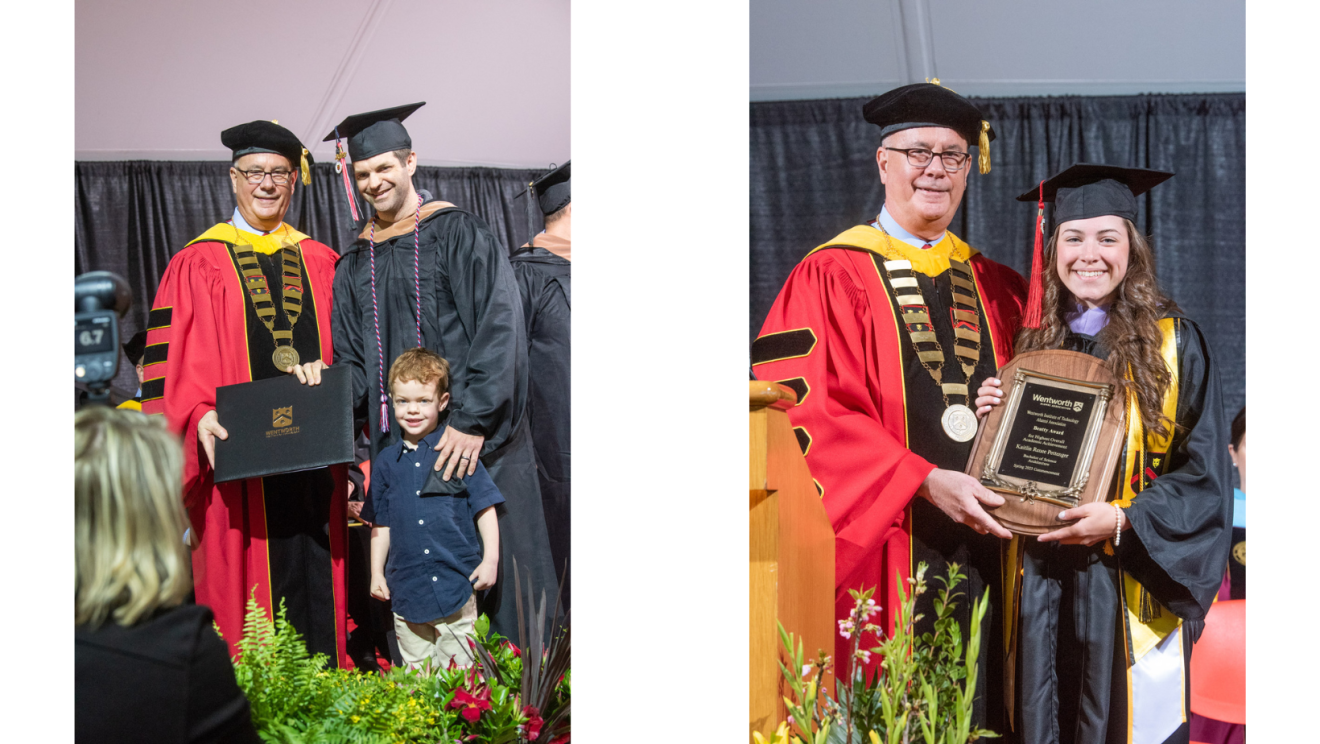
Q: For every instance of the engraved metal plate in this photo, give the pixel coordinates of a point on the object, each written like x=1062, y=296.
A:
x=1043, y=450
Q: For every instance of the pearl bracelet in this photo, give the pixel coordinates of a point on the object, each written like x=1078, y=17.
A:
x=1118, y=524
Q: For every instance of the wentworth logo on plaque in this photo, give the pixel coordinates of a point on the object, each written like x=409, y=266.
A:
x=1055, y=440
x=1047, y=434
x=282, y=417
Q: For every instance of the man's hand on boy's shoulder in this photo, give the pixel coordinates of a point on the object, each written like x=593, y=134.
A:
x=379, y=590
x=484, y=576
x=458, y=450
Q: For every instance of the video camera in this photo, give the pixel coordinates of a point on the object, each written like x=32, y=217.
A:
x=100, y=299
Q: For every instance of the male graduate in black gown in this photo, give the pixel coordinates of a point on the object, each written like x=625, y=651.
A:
x=543, y=270
x=419, y=252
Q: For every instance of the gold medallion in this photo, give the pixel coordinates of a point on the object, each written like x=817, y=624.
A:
x=284, y=358
x=959, y=422
x=1240, y=552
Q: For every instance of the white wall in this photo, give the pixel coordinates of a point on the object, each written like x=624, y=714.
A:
x=159, y=79
x=996, y=47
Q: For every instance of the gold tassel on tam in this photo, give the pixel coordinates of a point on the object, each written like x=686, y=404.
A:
x=306, y=169
x=983, y=158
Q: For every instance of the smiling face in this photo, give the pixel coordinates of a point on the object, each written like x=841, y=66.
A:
x=1093, y=258
x=262, y=204
x=386, y=183
x=417, y=407
x=922, y=200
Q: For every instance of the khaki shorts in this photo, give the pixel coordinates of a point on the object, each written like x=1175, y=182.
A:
x=434, y=641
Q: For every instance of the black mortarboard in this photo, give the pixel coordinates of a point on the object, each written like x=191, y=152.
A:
x=136, y=347
x=267, y=136
x=931, y=105
x=551, y=190
x=1082, y=191
x=375, y=132
x=1088, y=190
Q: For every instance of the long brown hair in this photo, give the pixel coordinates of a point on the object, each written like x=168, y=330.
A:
x=1132, y=335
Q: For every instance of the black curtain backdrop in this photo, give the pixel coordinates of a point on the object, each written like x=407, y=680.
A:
x=813, y=175
x=133, y=216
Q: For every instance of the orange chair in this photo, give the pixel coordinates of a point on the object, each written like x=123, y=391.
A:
x=1219, y=664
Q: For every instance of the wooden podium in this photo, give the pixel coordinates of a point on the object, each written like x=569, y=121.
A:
x=792, y=552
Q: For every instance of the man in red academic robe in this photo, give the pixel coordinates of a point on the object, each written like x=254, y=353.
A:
x=885, y=332
x=250, y=299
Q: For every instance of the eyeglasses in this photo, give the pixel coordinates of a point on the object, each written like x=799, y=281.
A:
x=919, y=157
x=279, y=177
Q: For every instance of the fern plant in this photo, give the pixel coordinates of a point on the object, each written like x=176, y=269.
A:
x=296, y=700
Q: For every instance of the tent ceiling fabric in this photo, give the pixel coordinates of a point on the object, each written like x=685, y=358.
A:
x=159, y=79
x=996, y=48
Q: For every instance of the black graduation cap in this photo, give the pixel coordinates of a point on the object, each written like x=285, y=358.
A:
x=552, y=190
x=1088, y=190
x=375, y=132
x=267, y=136
x=1082, y=191
x=931, y=105
x=136, y=347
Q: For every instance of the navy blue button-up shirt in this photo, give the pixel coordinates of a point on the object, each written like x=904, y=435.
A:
x=434, y=545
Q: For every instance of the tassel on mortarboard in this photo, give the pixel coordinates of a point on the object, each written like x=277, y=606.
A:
x=983, y=148
x=1036, y=289
x=306, y=169
x=341, y=165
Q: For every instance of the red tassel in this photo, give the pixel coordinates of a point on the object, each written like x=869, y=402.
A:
x=1036, y=291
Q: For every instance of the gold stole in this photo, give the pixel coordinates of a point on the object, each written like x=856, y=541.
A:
x=1146, y=621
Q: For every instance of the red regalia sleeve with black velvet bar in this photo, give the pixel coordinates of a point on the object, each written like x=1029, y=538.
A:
x=828, y=340
x=183, y=363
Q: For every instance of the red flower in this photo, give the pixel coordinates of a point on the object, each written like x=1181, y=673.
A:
x=534, y=722
x=471, y=705
x=561, y=739
x=516, y=651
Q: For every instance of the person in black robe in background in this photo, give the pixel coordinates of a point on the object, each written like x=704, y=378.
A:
x=543, y=269
x=416, y=252
x=1110, y=603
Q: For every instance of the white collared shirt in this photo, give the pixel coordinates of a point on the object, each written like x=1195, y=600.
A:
x=242, y=224
x=892, y=227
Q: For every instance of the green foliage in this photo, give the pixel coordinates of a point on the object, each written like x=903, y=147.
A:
x=296, y=700
x=923, y=691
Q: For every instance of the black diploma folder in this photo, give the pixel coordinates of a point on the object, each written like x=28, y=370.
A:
x=280, y=425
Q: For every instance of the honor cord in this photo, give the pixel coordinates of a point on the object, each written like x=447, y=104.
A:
x=375, y=308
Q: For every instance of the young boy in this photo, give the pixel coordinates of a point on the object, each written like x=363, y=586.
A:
x=436, y=563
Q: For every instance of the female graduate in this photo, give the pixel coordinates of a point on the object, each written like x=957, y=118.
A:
x=1111, y=602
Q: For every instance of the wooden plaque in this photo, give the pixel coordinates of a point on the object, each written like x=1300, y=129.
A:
x=1054, y=441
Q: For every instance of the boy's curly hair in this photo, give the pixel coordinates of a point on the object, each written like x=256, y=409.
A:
x=420, y=365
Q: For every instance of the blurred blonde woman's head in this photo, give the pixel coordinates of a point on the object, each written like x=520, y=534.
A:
x=129, y=518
